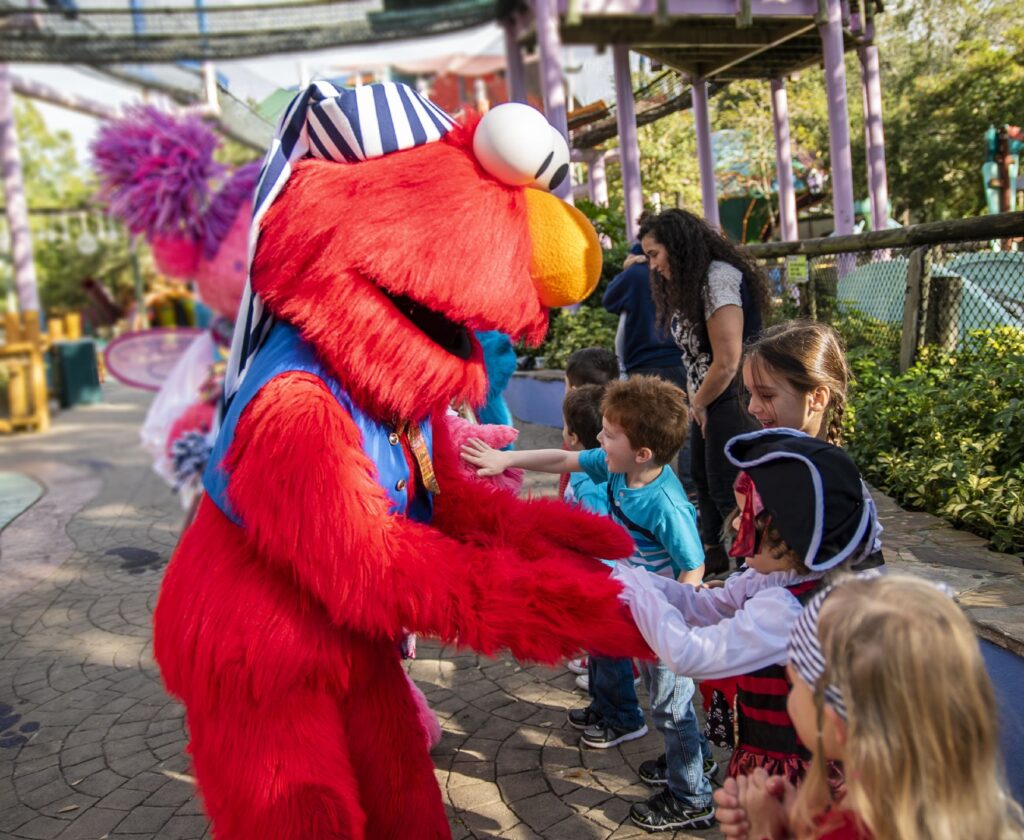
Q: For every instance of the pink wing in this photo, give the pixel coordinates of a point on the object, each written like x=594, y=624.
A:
x=144, y=359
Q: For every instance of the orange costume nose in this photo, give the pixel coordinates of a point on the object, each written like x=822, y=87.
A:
x=566, y=261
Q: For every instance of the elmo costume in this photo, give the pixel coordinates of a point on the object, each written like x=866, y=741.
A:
x=336, y=516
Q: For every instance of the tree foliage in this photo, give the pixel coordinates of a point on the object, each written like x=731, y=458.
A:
x=54, y=179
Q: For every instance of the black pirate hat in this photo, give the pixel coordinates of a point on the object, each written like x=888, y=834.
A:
x=813, y=491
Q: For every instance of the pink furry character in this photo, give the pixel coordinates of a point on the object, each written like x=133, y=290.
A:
x=159, y=175
x=462, y=431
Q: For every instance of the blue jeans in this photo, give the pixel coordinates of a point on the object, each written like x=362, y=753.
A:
x=685, y=745
x=612, y=693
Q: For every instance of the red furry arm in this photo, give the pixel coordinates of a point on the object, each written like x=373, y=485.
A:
x=307, y=496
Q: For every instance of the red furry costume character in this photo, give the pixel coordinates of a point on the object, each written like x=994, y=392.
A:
x=279, y=616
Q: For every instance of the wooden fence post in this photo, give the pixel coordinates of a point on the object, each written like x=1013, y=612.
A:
x=942, y=325
x=911, y=308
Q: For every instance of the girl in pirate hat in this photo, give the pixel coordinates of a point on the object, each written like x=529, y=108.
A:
x=809, y=514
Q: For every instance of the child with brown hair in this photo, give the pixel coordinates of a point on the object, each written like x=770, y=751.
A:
x=816, y=515
x=644, y=423
x=796, y=377
x=887, y=677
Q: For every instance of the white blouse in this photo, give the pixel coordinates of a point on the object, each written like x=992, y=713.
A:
x=714, y=633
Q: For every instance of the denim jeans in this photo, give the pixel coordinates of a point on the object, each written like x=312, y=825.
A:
x=612, y=693
x=685, y=745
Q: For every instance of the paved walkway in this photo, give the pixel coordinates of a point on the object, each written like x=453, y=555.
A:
x=92, y=747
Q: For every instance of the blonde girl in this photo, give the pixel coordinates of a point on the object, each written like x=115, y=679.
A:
x=887, y=677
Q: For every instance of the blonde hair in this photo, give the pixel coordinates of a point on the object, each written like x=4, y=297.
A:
x=807, y=355
x=921, y=756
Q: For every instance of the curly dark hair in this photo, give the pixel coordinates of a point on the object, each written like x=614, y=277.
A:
x=692, y=245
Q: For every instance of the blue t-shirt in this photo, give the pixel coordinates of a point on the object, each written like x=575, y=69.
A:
x=658, y=516
x=585, y=493
x=644, y=345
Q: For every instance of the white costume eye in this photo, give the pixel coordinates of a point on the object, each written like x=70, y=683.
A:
x=517, y=145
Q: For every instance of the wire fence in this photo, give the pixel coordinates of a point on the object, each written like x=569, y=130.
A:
x=891, y=293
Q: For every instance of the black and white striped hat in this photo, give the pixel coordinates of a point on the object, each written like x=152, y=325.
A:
x=814, y=493
x=331, y=123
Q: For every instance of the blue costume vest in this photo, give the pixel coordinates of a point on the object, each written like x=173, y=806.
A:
x=286, y=351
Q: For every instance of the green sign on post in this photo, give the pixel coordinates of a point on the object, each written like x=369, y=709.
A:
x=797, y=270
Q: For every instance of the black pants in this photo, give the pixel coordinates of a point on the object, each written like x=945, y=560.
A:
x=677, y=376
x=712, y=472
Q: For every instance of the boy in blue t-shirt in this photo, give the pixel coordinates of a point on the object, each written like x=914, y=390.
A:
x=644, y=423
x=614, y=714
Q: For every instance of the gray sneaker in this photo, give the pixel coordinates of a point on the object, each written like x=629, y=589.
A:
x=603, y=736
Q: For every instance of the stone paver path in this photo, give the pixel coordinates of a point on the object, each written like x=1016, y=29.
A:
x=92, y=747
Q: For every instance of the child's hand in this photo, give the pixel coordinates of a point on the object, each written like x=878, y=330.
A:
x=633, y=259
x=487, y=460
x=765, y=800
x=732, y=819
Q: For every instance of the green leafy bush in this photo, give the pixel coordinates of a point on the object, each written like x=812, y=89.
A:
x=947, y=436
x=589, y=326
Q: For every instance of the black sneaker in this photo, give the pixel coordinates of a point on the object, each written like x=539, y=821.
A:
x=602, y=736
x=663, y=812
x=710, y=768
x=655, y=772
x=583, y=718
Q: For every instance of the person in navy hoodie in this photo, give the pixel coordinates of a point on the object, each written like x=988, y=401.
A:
x=646, y=350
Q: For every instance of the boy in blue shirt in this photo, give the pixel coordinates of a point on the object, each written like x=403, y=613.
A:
x=614, y=714
x=644, y=423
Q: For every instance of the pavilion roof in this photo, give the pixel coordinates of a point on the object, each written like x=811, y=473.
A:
x=109, y=31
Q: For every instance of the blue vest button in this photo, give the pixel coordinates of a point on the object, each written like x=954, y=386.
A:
x=393, y=439
x=400, y=484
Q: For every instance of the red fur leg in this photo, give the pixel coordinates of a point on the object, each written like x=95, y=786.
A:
x=280, y=769
x=398, y=788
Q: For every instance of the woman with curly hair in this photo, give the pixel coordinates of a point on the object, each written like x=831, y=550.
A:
x=712, y=298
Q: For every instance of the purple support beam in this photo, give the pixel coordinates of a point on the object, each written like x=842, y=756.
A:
x=515, y=72
x=838, y=120
x=549, y=43
x=878, y=184
x=784, y=161
x=629, y=146
x=694, y=8
x=705, y=158
x=14, y=194
x=596, y=180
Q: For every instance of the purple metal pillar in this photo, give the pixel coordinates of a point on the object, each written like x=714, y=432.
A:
x=705, y=158
x=549, y=43
x=515, y=72
x=629, y=146
x=838, y=119
x=878, y=184
x=597, y=182
x=784, y=161
x=14, y=194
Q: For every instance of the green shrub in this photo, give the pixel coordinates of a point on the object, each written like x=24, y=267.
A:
x=588, y=326
x=947, y=436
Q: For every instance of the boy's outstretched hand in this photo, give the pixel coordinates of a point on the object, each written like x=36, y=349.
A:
x=486, y=459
